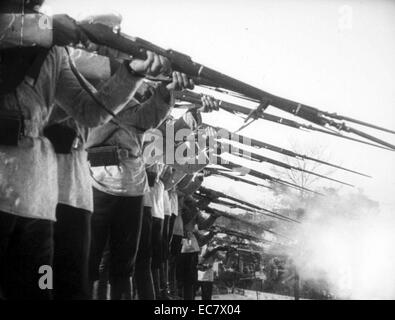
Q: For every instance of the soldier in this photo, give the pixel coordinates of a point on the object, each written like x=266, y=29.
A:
x=119, y=188
x=193, y=221
x=209, y=254
x=33, y=80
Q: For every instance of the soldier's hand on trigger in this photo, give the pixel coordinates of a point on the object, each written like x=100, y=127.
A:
x=153, y=65
x=179, y=82
x=209, y=104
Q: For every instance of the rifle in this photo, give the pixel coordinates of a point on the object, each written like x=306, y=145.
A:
x=221, y=213
x=231, y=205
x=214, y=195
x=101, y=34
x=213, y=171
x=235, y=205
x=231, y=166
x=260, y=158
x=195, y=98
x=241, y=235
x=221, y=229
x=224, y=214
x=259, y=144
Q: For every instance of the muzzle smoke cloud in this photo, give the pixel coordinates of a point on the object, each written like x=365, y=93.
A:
x=347, y=242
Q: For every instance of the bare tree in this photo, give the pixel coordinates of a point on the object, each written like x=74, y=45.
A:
x=304, y=179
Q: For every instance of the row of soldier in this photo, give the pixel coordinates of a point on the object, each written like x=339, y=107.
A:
x=94, y=222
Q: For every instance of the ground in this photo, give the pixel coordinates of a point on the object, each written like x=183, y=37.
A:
x=250, y=295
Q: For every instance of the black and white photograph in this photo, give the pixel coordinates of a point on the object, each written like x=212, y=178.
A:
x=210, y=151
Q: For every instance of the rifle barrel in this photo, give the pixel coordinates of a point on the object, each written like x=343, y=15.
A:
x=193, y=97
x=103, y=35
x=237, y=234
x=259, y=144
x=336, y=134
x=255, y=156
x=236, y=178
x=257, y=174
x=218, y=194
x=232, y=217
x=335, y=166
x=294, y=124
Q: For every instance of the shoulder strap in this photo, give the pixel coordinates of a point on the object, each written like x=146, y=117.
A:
x=86, y=86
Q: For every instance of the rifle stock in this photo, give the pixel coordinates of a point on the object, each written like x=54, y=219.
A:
x=101, y=34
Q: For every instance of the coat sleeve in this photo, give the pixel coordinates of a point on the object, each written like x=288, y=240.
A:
x=203, y=223
x=188, y=123
x=79, y=104
x=203, y=239
x=149, y=114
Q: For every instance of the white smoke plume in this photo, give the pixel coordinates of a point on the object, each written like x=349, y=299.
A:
x=349, y=244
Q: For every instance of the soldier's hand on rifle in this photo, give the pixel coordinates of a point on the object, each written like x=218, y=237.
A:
x=199, y=177
x=209, y=104
x=215, y=214
x=215, y=229
x=210, y=132
x=152, y=66
x=206, y=173
x=180, y=81
x=203, y=203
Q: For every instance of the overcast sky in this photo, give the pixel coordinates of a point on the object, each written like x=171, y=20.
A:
x=334, y=55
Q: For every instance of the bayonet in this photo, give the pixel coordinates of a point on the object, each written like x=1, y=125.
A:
x=257, y=157
x=362, y=123
x=258, y=113
x=231, y=165
x=259, y=144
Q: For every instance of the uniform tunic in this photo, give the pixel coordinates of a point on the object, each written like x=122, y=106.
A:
x=29, y=172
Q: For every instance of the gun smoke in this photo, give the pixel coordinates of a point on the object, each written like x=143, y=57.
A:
x=347, y=242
